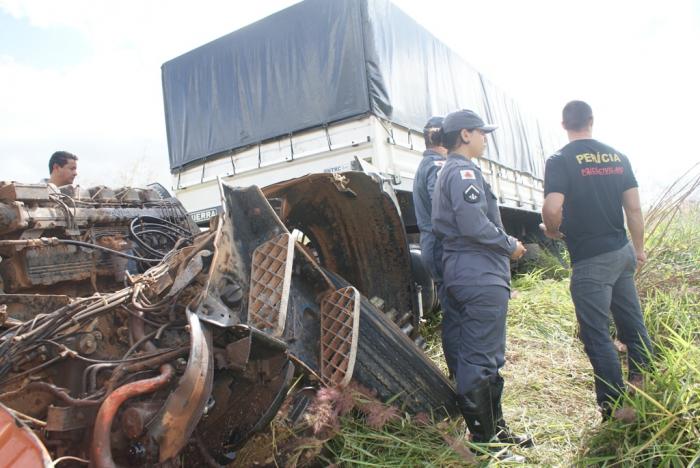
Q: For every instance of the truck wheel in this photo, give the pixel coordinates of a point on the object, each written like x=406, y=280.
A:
x=421, y=276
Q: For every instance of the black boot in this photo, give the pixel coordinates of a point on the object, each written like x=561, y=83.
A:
x=504, y=433
x=475, y=406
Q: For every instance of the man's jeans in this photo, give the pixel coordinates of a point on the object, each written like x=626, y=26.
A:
x=600, y=285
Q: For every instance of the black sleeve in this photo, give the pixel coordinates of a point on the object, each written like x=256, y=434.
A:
x=555, y=177
x=628, y=181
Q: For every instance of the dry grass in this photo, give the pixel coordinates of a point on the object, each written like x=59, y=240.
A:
x=673, y=238
x=549, y=383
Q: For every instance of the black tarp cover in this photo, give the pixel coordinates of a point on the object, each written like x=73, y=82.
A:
x=320, y=61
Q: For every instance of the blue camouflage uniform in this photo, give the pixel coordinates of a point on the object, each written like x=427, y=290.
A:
x=431, y=247
x=476, y=269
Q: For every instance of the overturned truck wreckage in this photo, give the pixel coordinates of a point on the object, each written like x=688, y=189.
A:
x=185, y=360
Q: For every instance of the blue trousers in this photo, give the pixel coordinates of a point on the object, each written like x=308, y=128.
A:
x=431, y=255
x=479, y=316
x=450, y=329
x=601, y=285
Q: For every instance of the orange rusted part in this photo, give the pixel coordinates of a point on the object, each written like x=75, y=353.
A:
x=101, y=450
x=19, y=447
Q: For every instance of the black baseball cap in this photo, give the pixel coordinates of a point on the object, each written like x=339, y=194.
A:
x=465, y=119
x=434, y=122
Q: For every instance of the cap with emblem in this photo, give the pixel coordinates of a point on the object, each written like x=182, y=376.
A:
x=465, y=119
x=434, y=122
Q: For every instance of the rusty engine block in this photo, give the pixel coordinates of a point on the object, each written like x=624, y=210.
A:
x=86, y=227
x=180, y=353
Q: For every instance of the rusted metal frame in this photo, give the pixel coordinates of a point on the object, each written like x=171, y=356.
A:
x=223, y=295
x=270, y=413
x=358, y=232
x=70, y=418
x=14, y=191
x=184, y=407
x=11, y=217
x=249, y=397
x=46, y=217
x=58, y=392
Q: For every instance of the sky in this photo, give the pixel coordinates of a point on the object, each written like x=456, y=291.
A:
x=84, y=75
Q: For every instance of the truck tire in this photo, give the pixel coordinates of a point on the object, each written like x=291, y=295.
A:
x=389, y=362
x=421, y=276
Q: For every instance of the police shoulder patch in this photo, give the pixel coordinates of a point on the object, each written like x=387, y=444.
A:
x=467, y=174
x=439, y=163
x=472, y=194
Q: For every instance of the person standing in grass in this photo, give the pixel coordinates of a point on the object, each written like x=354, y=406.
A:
x=430, y=246
x=587, y=186
x=476, y=274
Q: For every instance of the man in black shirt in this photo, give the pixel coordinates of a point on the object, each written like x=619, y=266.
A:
x=587, y=185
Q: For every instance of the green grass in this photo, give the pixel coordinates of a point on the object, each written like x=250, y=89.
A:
x=549, y=383
x=667, y=429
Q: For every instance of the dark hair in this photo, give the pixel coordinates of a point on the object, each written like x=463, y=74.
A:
x=433, y=137
x=576, y=115
x=61, y=158
x=451, y=140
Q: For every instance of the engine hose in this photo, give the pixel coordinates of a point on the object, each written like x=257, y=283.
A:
x=151, y=225
x=101, y=449
x=107, y=249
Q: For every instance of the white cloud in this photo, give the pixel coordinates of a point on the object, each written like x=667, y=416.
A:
x=632, y=60
x=109, y=108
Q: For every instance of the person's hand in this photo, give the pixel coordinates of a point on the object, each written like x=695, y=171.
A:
x=641, y=258
x=556, y=235
x=519, y=251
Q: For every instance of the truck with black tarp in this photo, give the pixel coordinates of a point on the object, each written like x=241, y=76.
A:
x=337, y=88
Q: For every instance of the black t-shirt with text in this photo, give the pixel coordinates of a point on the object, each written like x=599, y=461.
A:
x=592, y=177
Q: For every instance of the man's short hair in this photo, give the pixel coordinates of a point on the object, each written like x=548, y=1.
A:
x=576, y=115
x=61, y=158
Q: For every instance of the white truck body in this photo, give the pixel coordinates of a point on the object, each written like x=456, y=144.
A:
x=391, y=150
